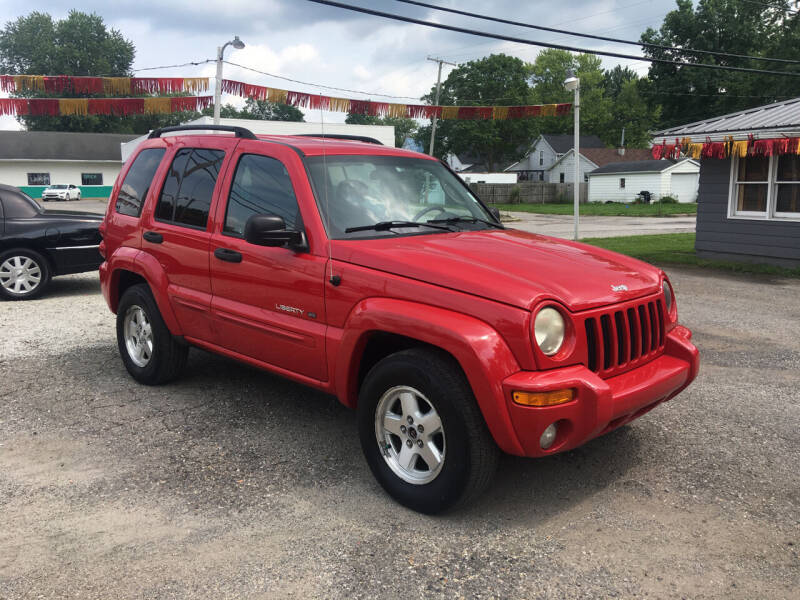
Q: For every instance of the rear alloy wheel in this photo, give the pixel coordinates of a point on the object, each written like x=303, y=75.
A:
x=149, y=351
x=24, y=274
x=422, y=432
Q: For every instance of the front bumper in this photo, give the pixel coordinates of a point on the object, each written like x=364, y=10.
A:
x=600, y=405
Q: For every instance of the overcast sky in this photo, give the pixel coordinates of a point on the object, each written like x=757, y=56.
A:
x=330, y=46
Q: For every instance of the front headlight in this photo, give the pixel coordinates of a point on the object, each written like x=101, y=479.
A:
x=668, y=299
x=549, y=330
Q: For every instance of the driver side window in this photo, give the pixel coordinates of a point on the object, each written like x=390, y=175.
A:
x=261, y=186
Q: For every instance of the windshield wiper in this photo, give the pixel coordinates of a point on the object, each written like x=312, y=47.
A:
x=387, y=225
x=453, y=220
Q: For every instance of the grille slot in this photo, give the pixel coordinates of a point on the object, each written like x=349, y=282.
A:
x=618, y=340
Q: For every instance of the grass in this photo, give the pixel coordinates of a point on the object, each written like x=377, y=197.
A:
x=678, y=249
x=616, y=209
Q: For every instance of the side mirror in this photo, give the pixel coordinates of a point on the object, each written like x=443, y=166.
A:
x=495, y=212
x=270, y=230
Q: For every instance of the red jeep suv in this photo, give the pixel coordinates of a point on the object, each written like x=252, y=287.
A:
x=374, y=274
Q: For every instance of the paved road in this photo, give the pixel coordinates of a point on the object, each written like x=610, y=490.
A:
x=232, y=483
x=562, y=226
x=92, y=205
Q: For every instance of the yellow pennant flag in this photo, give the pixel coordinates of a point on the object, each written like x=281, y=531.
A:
x=73, y=106
x=157, y=105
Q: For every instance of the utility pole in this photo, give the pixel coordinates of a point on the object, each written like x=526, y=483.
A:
x=436, y=100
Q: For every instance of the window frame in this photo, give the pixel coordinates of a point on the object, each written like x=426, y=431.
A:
x=154, y=179
x=214, y=191
x=43, y=173
x=83, y=180
x=299, y=226
x=622, y=183
x=770, y=213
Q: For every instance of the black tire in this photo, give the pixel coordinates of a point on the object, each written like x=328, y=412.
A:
x=470, y=454
x=167, y=357
x=24, y=254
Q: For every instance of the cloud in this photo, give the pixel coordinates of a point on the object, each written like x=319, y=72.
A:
x=328, y=46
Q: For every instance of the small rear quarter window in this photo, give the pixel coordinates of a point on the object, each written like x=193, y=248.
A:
x=134, y=188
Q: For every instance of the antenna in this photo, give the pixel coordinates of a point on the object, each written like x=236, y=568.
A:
x=334, y=279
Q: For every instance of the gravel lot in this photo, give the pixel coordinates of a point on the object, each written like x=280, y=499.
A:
x=232, y=483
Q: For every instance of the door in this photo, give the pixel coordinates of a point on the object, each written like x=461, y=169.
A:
x=684, y=186
x=176, y=231
x=268, y=303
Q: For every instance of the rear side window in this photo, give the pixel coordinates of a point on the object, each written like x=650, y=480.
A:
x=189, y=186
x=261, y=186
x=137, y=182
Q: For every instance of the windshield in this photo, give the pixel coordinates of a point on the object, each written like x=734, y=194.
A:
x=359, y=191
x=58, y=186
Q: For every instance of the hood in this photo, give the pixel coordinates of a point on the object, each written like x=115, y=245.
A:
x=509, y=266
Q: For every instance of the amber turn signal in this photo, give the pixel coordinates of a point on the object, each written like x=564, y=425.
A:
x=544, y=398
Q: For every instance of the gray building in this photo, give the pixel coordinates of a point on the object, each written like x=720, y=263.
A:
x=749, y=206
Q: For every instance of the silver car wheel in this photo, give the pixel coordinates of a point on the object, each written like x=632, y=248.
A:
x=138, y=336
x=20, y=275
x=410, y=435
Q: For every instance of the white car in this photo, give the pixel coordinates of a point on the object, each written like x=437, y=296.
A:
x=62, y=191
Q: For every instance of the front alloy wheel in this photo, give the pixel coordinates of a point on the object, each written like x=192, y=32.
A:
x=422, y=433
x=409, y=430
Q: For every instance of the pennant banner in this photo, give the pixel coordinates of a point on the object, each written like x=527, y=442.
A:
x=110, y=86
x=686, y=148
x=120, y=107
x=391, y=109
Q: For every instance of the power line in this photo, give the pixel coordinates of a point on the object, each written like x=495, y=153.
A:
x=317, y=85
x=509, y=38
x=594, y=37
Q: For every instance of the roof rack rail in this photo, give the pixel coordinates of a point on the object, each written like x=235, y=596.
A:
x=343, y=136
x=240, y=132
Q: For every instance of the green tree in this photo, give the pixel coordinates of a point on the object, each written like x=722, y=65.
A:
x=81, y=45
x=549, y=71
x=403, y=127
x=495, y=80
x=259, y=110
x=739, y=27
x=630, y=108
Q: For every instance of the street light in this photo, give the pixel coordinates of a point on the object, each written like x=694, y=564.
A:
x=238, y=44
x=573, y=84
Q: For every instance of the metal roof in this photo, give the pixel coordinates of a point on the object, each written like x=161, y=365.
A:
x=781, y=115
x=61, y=145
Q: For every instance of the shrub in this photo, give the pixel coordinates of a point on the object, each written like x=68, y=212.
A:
x=514, y=195
x=668, y=200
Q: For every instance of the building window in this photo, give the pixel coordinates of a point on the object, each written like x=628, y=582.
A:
x=585, y=178
x=622, y=183
x=765, y=187
x=91, y=179
x=787, y=182
x=541, y=157
x=38, y=178
x=561, y=178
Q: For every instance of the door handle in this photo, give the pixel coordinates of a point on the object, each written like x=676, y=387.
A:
x=153, y=237
x=228, y=255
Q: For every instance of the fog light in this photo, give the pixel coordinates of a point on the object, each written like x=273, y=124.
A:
x=543, y=398
x=548, y=436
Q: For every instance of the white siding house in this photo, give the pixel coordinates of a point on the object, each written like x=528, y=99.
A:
x=545, y=151
x=563, y=171
x=32, y=160
x=622, y=182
